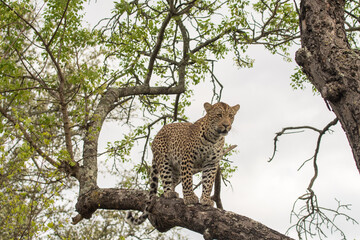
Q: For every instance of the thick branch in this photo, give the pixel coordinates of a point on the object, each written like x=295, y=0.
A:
x=217, y=189
x=88, y=178
x=66, y=120
x=186, y=57
x=213, y=223
x=330, y=64
x=146, y=90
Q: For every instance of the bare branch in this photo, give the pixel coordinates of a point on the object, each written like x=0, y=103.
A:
x=176, y=106
x=311, y=217
x=157, y=47
x=186, y=57
x=227, y=150
x=284, y=131
x=217, y=189
x=210, y=41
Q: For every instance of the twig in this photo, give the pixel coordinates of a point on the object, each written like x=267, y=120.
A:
x=312, y=217
x=284, y=131
x=227, y=150
x=28, y=137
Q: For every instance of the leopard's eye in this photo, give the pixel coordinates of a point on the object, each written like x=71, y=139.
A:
x=231, y=115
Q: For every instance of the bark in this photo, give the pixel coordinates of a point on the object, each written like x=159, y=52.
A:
x=87, y=174
x=331, y=65
x=213, y=223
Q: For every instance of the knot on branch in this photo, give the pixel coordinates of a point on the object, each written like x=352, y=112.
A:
x=302, y=56
x=332, y=91
x=162, y=214
x=159, y=224
x=71, y=168
x=87, y=204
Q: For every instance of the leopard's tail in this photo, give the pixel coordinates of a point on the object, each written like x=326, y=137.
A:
x=154, y=180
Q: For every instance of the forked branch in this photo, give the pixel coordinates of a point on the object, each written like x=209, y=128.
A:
x=311, y=217
x=287, y=130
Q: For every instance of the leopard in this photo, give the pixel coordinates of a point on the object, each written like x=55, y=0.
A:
x=183, y=149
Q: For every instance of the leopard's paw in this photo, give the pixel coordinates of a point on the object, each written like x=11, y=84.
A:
x=192, y=199
x=171, y=194
x=206, y=201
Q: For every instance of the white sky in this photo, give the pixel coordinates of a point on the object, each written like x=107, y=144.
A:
x=266, y=191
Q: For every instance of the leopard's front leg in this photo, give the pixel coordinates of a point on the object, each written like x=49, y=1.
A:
x=187, y=181
x=208, y=179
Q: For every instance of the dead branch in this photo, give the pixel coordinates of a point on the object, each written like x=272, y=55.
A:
x=311, y=216
x=285, y=131
x=217, y=189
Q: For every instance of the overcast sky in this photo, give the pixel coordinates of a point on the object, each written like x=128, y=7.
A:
x=266, y=191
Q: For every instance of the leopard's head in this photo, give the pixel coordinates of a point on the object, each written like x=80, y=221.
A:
x=221, y=116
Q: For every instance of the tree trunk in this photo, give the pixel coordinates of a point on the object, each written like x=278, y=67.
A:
x=330, y=64
x=213, y=223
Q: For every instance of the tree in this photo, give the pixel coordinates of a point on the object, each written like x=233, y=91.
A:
x=61, y=81
x=329, y=61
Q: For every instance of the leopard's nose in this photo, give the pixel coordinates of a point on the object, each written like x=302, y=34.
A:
x=226, y=125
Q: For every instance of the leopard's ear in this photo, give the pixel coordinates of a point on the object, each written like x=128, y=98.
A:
x=207, y=106
x=236, y=107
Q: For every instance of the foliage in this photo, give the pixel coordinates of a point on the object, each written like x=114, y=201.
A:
x=300, y=81
x=60, y=81
x=352, y=22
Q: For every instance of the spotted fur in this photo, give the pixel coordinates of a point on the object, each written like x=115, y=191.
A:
x=182, y=149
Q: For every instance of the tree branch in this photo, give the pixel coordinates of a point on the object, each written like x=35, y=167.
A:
x=186, y=48
x=311, y=209
x=330, y=64
x=217, y=189
x=62, y=80
x=210, y=41
x=88, y=178
x=28, y=138
x=58, y=26
x=321, y=134
x=213, y=223
x=157, y=47
x=284, y=131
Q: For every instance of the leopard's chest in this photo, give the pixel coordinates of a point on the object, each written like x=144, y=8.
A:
x=195, y=152
x=202, y=154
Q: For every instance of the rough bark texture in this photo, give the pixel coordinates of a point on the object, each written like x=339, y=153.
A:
x=87, y=174
x=331, y=65
x=213, y=223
